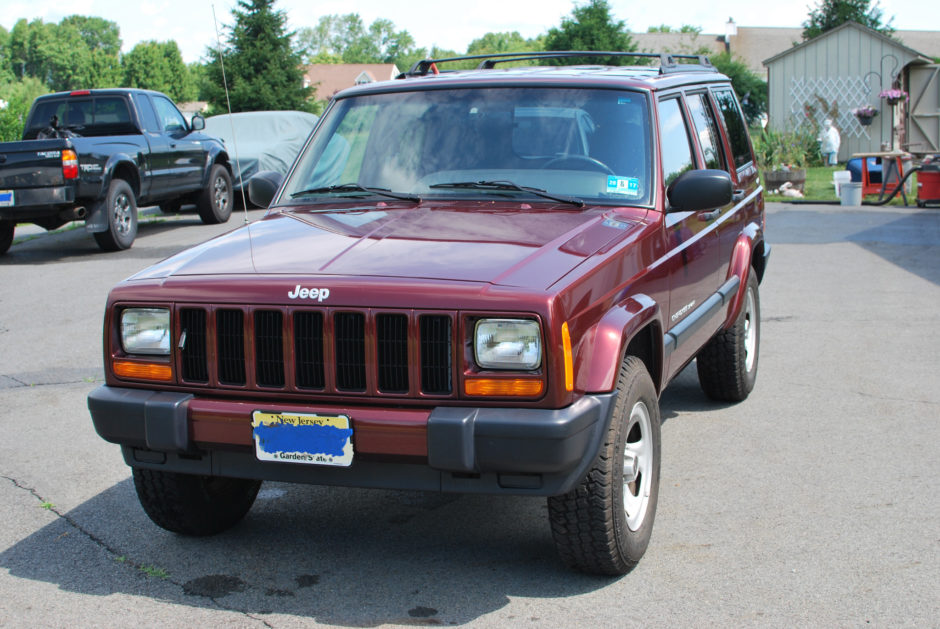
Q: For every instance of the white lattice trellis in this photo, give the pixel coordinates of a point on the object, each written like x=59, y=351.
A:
x=846, y=92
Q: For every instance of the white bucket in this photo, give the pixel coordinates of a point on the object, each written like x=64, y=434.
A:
x=850, y=193
x=840, y=177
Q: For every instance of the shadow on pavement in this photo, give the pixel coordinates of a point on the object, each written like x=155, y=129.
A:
x=338, y=556
x=897, y=238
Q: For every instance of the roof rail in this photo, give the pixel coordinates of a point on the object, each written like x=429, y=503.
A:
x=667, y=62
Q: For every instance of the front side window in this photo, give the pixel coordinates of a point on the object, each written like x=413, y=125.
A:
x=168, y=115
x=590, y=144
x=674, y=135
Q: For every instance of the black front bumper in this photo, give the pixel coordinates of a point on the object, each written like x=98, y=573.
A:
x=470, y=450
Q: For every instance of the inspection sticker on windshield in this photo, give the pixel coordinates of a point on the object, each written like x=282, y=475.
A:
x=623, y=185
x=302, y=438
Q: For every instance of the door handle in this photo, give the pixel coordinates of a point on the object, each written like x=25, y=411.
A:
x=738, y=195
x=709, y=216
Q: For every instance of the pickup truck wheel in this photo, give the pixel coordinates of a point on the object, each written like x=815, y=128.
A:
x=603, y=526
x=215, y=202
x=6, y=235
x=727, y=365
x=121, y=208
x=194, y=505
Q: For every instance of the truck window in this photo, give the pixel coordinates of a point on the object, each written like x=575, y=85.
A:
x=169, y=116
x=145, y=111
x=94, y=116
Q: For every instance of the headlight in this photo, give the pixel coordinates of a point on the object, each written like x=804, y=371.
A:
x=508, y=344
x=146, y=331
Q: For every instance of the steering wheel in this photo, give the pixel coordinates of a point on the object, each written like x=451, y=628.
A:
x=581, y=161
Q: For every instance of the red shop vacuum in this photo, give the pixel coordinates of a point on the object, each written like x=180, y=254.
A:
x=928, y=181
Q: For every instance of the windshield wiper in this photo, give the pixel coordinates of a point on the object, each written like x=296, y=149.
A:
x=509, y=185
x=355, y=187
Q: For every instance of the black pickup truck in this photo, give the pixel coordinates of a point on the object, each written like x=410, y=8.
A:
x=95, y=155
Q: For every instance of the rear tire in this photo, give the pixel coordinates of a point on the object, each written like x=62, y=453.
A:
x=603, y=526
x=6, y=235
x=194, y=505
x=727, y=365
x=121, y=208
x=215, y=202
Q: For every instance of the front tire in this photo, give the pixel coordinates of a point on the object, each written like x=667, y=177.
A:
x=6, y=235
x=194, y=505
x=727, y=365
x=121, y=208
x=603, y=526
x=215, y=202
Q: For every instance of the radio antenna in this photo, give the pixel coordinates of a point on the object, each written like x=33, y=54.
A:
x=228, y=104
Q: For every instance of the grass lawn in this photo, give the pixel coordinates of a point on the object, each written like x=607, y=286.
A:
x=818, y=187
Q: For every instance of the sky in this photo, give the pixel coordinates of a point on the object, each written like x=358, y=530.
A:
x=445, y=23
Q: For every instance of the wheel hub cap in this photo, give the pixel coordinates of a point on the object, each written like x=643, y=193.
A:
x=637, y=466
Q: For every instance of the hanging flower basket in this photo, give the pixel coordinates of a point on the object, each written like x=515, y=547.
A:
x=865, y=114
x=894, y=96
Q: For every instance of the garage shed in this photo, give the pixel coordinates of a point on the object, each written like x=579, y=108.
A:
x=841, y=70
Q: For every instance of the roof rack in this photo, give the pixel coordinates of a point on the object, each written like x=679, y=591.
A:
x=667, y=62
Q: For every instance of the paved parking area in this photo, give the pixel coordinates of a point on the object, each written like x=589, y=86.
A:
x=816, y=502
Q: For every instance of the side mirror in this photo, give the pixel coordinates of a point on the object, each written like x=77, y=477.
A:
x=696, y=190
x=198, y=123
x=263, y=186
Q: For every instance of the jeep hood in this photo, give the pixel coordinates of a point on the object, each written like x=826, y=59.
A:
x=528, y=246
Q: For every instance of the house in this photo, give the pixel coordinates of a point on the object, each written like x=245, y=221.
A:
x=329, y=78
x=846, y=68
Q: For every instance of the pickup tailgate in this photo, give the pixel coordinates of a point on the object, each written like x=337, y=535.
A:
x=31, y=173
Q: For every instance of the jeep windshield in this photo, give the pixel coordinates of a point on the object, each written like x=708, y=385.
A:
x=540, y=144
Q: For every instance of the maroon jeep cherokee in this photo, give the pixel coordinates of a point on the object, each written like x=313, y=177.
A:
x=469, y=281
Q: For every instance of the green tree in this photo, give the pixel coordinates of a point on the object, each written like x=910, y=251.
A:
x=16, y=97
x=750, y=87
x=159, y=66
x=262, y=68
x=97, y=33
x=68, y=55
x=592, y=27
x=346, y=39
x=829, y=14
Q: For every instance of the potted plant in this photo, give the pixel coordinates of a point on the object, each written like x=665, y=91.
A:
x=865, y=114
x=783, y=156
x=894, y=96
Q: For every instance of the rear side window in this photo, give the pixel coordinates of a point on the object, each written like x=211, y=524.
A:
x=734, y=123
x=706, y=128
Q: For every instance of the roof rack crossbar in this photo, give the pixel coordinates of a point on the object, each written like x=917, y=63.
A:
x=667, y=62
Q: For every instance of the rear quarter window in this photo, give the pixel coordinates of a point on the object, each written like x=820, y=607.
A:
x=734, y=124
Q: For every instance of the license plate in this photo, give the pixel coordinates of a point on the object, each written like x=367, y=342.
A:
x=6, y=198
x=302, y=438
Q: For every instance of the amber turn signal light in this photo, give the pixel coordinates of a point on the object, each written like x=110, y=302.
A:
x=517, y=387
x=143, y=371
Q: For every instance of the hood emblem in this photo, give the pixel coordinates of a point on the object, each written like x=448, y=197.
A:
x=320, y=294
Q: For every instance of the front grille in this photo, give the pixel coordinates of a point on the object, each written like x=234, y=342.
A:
x=360, y=352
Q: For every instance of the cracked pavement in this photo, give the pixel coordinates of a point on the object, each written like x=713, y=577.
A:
x=813, y=503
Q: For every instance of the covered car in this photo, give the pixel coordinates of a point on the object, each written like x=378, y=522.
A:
x=261, y=140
